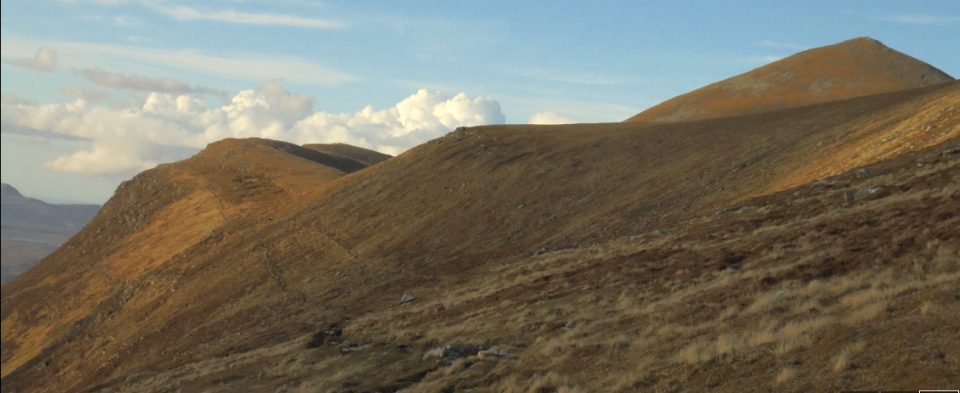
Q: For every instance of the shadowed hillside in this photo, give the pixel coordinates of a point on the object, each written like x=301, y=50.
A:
x=367, y=157
x=606, y=257
x=854, y=68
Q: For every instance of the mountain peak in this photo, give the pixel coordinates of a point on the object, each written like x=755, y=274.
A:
x=854, y=68
x=9, y=191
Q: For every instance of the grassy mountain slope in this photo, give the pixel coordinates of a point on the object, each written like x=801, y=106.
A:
x=241, y=253
x=853, y=68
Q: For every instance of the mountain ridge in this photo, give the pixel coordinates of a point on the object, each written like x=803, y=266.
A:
x=854, y=68
x=218, y=272
x=336, y=226
x=9, y=191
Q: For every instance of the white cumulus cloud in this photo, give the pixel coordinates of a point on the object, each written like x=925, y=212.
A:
x=547, y=118
x=93, y=95
x=170, y=127
x=10, y=99
x=45, y=60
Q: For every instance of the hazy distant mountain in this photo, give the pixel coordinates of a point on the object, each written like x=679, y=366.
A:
x=32, y=229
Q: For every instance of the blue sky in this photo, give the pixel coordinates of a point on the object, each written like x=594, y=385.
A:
x=138, y=83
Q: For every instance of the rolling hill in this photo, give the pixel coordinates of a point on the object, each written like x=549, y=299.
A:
x=792, y=247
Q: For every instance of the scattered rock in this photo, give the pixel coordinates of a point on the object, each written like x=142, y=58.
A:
x=541, y=251
x=952, y=152
x=869, y=192
x=350, y=346
x=660, y=232
x=407, y=298
x=735, y=210
x=826, y=183
x=865, y=173
x=324, y=337
x=848, y=197
x=452, y=353
x=780, y=294
x=494, y=353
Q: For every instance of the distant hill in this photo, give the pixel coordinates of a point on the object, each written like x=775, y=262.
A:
x=348, y=152
x=854, y=68
x=32, y=229
x=782, y=250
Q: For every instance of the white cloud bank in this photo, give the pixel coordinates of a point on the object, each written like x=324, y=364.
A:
x=172, y=127
x=45, y=60
x=548, y=118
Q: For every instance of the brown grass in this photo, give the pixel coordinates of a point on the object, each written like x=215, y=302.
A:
x=719, y=294
x=786, y=375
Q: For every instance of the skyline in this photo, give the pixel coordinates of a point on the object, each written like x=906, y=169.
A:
x=97, y=90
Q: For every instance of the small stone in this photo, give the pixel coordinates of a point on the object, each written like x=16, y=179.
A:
x=826, y=183
x=452, y=353
x=780, y=294
x=349, y=344
x=407, y=298
x=848, y=197
x=438, y=353
x=869, y=192
x=865, y=173
x=952, y=152
x=495, y=353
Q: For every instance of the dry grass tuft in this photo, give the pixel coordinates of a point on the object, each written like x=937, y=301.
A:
x=728, y=344
x=844, y=360
x=865, y=314
x=456, y=368
x=786, y=375
x=551, y=382
x=927, y=308
x=697, y=352
x=729, y=313
x=860, y=299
